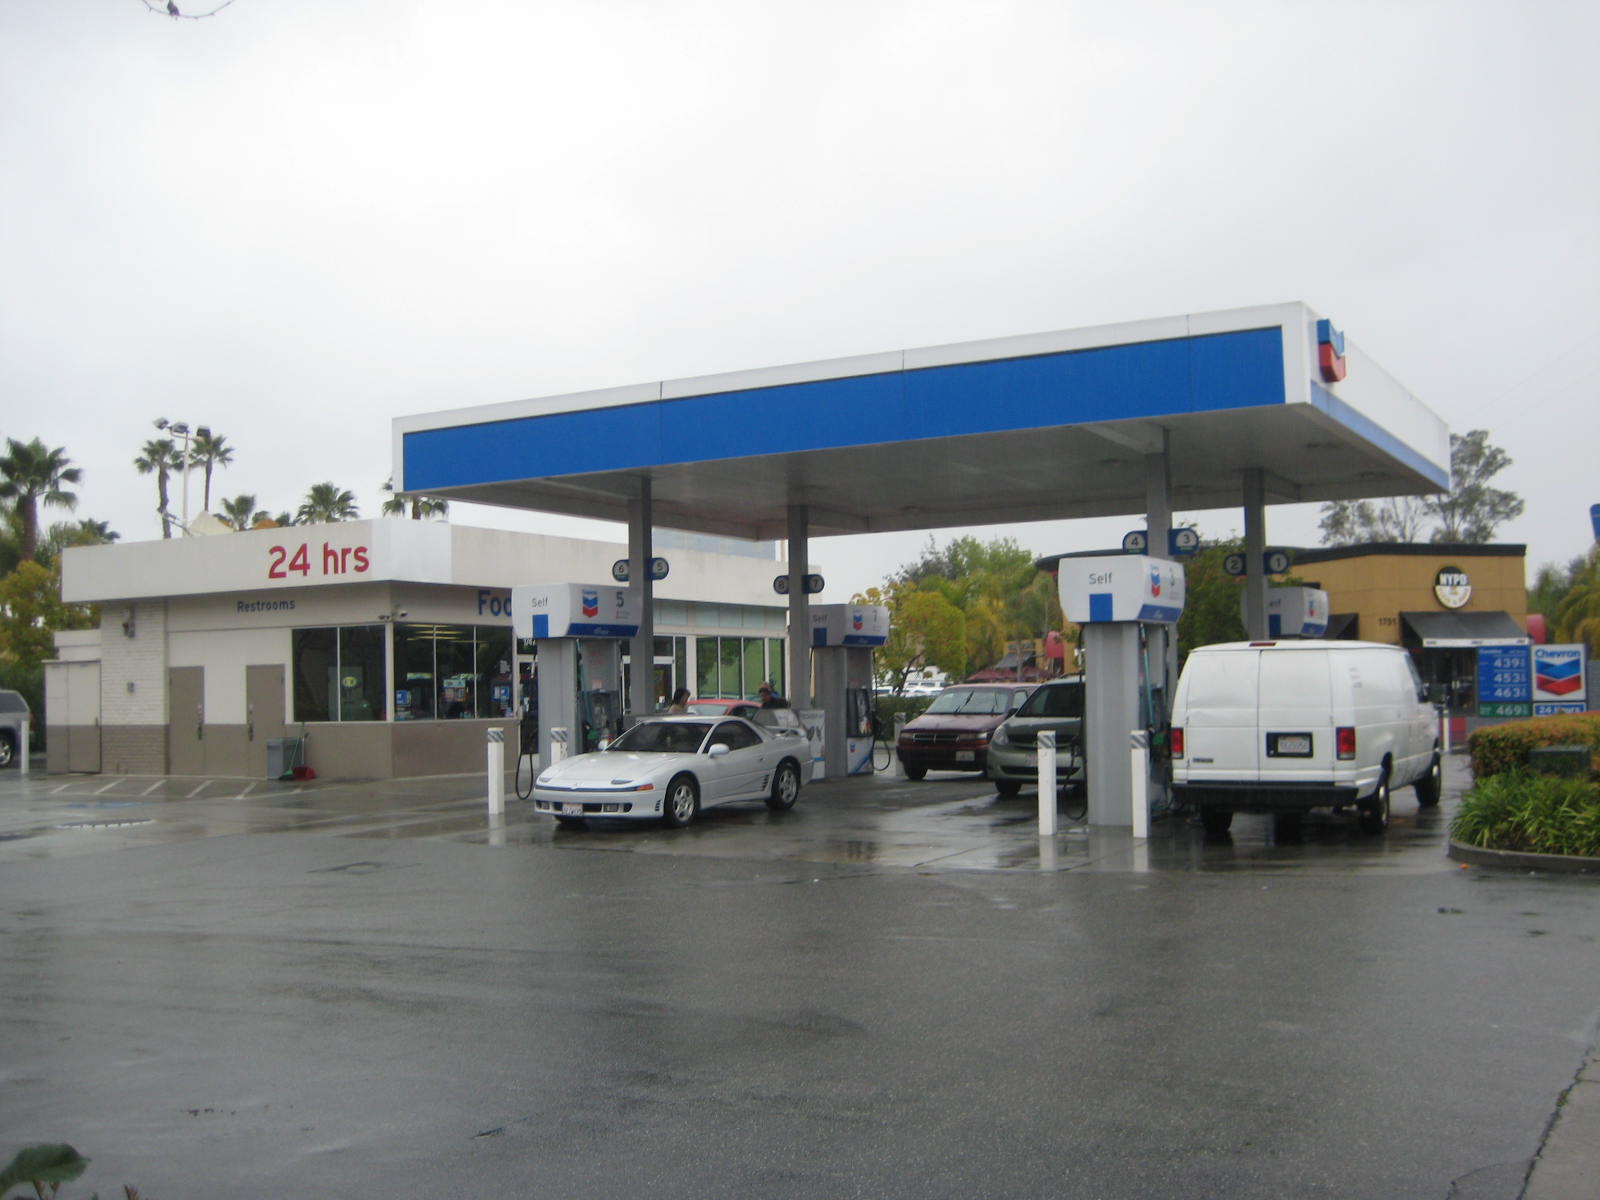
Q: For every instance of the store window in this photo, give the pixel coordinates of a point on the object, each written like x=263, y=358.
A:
x=452, y=671
x=735, y=667
x=338, y=673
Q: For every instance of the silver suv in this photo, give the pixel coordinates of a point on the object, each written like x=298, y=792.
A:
x=14, y=718
x=1056, y=705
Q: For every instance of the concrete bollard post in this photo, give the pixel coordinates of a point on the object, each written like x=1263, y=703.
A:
x=27, y=740
x=1140, y=780
x=899, y=724
x=1047, y=783
x=558, y=745
x=495, y=765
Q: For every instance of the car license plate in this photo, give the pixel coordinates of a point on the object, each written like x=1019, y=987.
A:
x=1291, y=745
x=572, y=810
x=965, y=756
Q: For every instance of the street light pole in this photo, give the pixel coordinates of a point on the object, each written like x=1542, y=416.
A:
x=181, y=428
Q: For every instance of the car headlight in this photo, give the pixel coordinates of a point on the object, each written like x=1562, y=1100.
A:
x=1000, y=737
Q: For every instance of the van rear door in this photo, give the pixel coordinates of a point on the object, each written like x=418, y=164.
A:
x=1295, y=734
x=1218, y=712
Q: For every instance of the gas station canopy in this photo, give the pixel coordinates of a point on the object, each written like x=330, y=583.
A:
x=1036, y=427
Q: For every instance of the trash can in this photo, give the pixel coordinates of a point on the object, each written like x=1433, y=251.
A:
x=283, y=756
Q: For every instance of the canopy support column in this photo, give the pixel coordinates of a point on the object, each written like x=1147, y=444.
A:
x=1255, y=553
x=798, y=685
x=642, y=648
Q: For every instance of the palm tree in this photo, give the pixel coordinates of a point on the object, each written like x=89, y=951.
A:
x=421, y=506
x=65, y=534
x=161, y=456
x=210, y=451
x=1578, y=614
x=326, y=504
x=241, y=512
x=30, y=475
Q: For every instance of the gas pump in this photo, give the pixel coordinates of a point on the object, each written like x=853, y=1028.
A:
x=843, y=637
x=1124, y=604
x=579, y=629
x=1295, y=612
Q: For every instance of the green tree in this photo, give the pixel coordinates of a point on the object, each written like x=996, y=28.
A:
x=64, y=535
x=241, y=512
x=31, y=612
x=420, y=506
x=160, y=457
x=326, y=504
x=1469, y=512
x=1578, y=612
x=925, y=630
x=994, y=585
x=209, y=452
x=31, y=474
x=1211, y=611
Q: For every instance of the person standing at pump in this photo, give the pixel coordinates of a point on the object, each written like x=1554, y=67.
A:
x=680, y=701
x=770, y=698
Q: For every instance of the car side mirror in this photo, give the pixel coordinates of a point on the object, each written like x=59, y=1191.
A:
x=718, y=750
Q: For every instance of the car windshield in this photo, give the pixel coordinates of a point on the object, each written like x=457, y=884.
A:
x=983, y=702
x=1060, y=700
x=664, y=737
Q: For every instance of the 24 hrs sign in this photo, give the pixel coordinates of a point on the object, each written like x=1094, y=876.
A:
x=302, y=560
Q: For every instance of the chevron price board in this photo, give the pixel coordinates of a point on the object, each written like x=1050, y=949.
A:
x=1505, y=681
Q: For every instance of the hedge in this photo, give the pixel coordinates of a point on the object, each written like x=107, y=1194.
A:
x=1535, y=814
x=1501, y=748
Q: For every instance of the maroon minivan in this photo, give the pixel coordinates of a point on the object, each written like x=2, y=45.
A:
x=953, y=733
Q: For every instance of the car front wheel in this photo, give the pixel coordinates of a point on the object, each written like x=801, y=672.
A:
x=785, y=787
x=1008, y=787
x=683, y=802
x=914, y=772
x=7, y=751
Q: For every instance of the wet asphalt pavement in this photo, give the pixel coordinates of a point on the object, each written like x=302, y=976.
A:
x=233, y=988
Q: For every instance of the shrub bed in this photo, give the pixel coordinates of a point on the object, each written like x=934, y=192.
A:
x=1533, y=814
x=1501, y=748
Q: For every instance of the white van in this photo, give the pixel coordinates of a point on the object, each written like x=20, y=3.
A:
x=1285, y=726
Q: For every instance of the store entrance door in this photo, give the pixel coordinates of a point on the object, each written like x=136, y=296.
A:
x=186, y=721
x=264, y=714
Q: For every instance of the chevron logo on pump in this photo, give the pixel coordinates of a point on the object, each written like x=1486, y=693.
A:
x=1330, y=352
x=1155, y=583
x=590, y=602
x=855, y=621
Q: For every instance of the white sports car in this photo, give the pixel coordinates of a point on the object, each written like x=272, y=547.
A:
x=669, y=768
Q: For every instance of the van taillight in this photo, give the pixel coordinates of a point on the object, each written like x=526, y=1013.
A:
x=1175, y=742
x=1344, y=741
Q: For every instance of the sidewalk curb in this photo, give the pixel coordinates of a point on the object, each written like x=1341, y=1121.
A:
x=1560, y=864
x=1568, y=1166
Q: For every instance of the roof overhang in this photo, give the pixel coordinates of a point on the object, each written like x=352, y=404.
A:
x=1037, y=427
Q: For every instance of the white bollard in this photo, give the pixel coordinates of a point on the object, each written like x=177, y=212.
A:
x=899, y=724
x=495, y=764
x=1444, y=733
x=27, y=740
x=558, y=745
x=1140, y=766
x=1047, y=783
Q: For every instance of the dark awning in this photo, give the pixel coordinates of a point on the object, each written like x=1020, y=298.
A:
x=1342, y=626
x=1464, y=629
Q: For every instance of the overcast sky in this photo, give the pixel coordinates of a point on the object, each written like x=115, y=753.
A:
x=298, y=219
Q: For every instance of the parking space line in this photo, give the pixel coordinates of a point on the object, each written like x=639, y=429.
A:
x=152, y=787
x=108, y=787
x=198, y=790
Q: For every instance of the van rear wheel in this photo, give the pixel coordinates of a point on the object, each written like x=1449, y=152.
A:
x=1374, y=816
x=1216, y=820
x=1431, y=785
